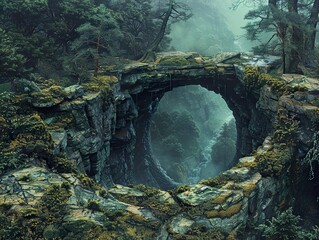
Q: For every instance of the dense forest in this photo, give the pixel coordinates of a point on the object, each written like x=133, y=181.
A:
x=65, y=39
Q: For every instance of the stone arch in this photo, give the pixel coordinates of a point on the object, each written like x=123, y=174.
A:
x=147, y=169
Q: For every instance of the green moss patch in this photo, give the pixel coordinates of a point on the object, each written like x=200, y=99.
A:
x=174, y=61
x=200, y=232
x=160, y=202
x=48, y=97
x=286, y=129
x=33, y=222
x=25, y=137
x=101, y=83
x=254, y=79
x=271, y=163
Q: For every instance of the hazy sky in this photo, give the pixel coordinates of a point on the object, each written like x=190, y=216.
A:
x=235, y=18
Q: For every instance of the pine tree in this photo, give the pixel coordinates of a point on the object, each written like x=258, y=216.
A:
x=11, y=61
x=93, y=40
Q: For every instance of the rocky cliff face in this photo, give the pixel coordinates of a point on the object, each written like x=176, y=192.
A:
x=55, y=141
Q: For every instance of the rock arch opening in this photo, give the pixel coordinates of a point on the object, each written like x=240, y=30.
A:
x=145, y=85
x=193, y=134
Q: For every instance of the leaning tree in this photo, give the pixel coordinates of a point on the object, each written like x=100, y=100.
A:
x=175, y=11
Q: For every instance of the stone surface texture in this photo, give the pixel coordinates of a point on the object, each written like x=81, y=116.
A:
x=107, y=138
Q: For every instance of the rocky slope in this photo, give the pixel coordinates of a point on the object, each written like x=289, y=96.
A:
x=62, y=150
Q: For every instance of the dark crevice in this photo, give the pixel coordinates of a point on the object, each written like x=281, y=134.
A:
x=94, y=164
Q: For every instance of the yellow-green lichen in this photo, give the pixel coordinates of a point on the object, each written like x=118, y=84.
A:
x=101, y=83
x=223, y=179
x=30, y=222
x=248, y=188
x=221, y=198
x=162, y=208
x=227, y=213
x=61, y=164
x=286, y=129
x=272, y=163
x=59, y=121
x=254, y=79
x=89, y=183
x=200, y=232
x=48, y=96
x=217, y=181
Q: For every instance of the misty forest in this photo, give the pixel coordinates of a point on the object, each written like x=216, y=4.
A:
x=159, y=119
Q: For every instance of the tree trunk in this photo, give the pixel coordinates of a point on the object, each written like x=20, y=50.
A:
x=295, y=46
x=283, y=55
x=281, y=28
x=308, y=56
x=97, y=56
x=150, y=53
x=310, y=38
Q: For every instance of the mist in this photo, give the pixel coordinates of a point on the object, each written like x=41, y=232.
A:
x=195, y=138
x=214, y=27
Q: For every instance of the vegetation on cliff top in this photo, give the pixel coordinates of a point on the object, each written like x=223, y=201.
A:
x=254, y=78
x=65, y=39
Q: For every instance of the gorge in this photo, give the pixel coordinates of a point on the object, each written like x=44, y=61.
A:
x=88, y=146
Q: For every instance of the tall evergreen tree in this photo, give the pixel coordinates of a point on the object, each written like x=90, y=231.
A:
x=93, y=38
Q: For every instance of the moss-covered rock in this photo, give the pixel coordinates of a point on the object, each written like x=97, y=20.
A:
x=160, y=202
x=52, y=199
x=254, y=78
x=39, y=220
x=225, y=213
x=48, y=97
x=101, y=83
x=273, y=162
x=173, y=61
x=26, y=137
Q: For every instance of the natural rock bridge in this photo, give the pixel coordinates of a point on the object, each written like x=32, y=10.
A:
x=103, y=128
x=147, y=83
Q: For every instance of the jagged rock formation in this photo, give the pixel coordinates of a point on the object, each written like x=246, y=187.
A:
x=51, y=137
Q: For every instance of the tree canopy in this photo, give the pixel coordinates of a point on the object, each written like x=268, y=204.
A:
x=73, y=35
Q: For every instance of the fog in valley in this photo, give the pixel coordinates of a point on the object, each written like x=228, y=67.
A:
x=193, y=131
x=193, y=134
